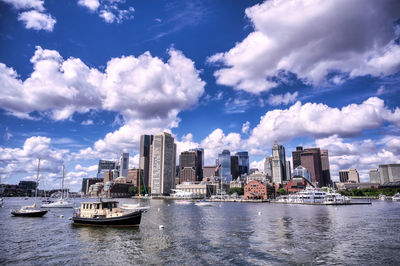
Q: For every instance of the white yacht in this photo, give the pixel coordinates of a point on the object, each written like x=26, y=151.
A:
x=61, y=202
x=332, y=197
x=309, y=195
x=396, y=197
x=183, y=194
x=382, y=197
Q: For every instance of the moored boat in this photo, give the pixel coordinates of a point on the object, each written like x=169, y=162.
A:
x=396, y=197
x=202, y=203
x=183, y=202
x=106, y=213
x=382, y=197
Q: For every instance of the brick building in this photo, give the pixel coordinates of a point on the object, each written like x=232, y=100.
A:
x=296, y=184
x=258, y=190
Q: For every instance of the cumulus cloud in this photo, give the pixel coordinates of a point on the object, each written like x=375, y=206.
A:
x=320, y=120
x=35, y=18
x=24, y=160
x=283, y=98
x=217, y=141
x=90, y=168
x=246, y=127
x=109, y=11
x=313, y=39
x=362, y=155
x=142, y=87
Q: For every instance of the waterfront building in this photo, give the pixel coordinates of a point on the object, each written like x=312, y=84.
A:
x=210, y=171
x=199, y=162
x=303, y=172
x=278, y=163
x=297, y=183
x=268, y=166
x=235, y=167
x=258, y=176
x=258, y=190
x=133, y=177
x=187, y=174
x=202, y=189
x=188, y=166
x=326, y=173
x=346, y=186
x=244, y=166
x=123, y=164
x=89, y=182
x=105, y=166
x=144, y=157
x=224, y=160
x=349, y=176
x=374, y=176
x=389, y=173
x=163, y=164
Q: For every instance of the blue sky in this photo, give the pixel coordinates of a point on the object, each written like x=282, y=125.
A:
x=82, y=80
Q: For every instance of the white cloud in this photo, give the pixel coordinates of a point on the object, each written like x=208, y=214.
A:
x=91, y=4
x=110, y=11
x=87, y=122
x=141, y=87
x=319, y=120
x=258, y=165
x=312, y=39
x=217, y=141
x=362, y=155
x=91, y=168
x=246, y=127
x=26, y=4
x=381, y=90
x=37, y=20
x=283, y=98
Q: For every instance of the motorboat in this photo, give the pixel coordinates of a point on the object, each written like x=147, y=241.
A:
x=105, y=213
x=202, y=203
x=31, y=210
x=382, y=197
x=183, y=202
x=396, y=197
x=177, y=193
x=1, y=202
x=282, y=199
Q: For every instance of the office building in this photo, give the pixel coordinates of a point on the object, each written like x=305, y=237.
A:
x=105, y=166
x=374, y=176
x=296, y=157
x=349, y=176
x=389, y=173
x=133, y=177
x=224, y=159
x=288, y=171
x=244, y=166
x=199, y=162
x=235, y=171
x=268, y=166
x=326, y=173
x=163, y=164
x=344, y=176
x=123, y=164
x=278, y=163
x=190, y=166
x=144, y=157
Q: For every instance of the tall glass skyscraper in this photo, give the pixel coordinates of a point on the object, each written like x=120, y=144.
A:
x=224, y=160
x=243, y=162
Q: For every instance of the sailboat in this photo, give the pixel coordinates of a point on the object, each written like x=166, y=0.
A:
x=31, y=210
x=61, y=202
x=136, y=207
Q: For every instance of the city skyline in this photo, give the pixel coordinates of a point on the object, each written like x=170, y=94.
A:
x=215, y=75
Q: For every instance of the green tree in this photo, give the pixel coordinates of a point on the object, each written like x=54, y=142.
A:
x=132, y=190
x=238, y=190
x=282, y=191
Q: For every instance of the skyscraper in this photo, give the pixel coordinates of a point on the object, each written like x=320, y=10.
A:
x=224, y=160
x=144, y=159
x=163, y=164
x=235, y=172
x=278, y=163
x=389, y=173
x=296, y=156
x=374, y=176
x=268, y=166
x=244, y=166
x=326, y=173
x=189, y=166
x=199, y=162
x=124, y=164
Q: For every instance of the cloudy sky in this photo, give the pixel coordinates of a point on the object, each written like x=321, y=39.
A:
x=82, y=80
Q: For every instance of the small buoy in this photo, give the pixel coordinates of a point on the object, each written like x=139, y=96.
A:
x=259, y=213
x=61, y=216
x=161, y=227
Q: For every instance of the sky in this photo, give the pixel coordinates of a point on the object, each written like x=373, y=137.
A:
x=82, y=80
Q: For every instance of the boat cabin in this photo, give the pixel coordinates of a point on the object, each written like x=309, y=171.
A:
x=99, y=209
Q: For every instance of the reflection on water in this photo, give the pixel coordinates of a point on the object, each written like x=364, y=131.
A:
x=228, y=233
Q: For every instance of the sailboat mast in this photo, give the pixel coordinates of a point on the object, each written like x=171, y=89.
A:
x=139, y=184
x=37, y=180
x=62, y=183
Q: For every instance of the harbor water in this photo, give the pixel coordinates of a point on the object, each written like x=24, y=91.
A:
x=222, y=234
